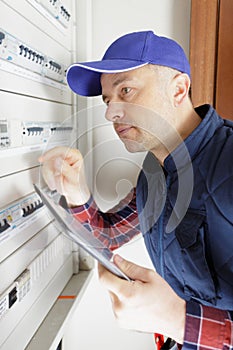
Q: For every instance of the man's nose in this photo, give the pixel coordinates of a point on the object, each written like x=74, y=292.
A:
x=115, y=111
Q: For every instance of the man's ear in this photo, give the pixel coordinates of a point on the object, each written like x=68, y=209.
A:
x=181, y=85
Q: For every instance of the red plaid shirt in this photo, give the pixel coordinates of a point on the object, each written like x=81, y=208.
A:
x=206, y=327
x=115, y=227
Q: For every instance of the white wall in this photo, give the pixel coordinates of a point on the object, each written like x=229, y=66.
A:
x=112, y=19
x=101, y=22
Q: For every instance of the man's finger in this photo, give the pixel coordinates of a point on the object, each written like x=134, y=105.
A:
x=64, y=152
x=112, y=282
x=133, y=271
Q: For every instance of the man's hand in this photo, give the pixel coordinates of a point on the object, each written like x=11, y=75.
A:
x=147, y=304
x=63, y=170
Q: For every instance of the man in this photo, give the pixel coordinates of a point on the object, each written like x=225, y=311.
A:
x=182, y=203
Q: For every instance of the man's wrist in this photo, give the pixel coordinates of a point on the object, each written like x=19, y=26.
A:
x=179, y=321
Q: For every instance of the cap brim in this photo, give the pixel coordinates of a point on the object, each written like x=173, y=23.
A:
x=84, y=78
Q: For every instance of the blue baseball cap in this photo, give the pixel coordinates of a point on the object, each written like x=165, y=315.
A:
x=128, y=52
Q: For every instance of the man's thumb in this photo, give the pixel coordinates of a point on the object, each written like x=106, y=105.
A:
x=133, y=271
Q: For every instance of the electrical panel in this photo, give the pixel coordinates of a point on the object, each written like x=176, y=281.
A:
x=37, y=44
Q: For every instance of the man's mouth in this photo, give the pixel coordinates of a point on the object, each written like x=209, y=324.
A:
x=123, y=130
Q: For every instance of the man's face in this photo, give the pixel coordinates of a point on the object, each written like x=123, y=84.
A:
x=134, y=101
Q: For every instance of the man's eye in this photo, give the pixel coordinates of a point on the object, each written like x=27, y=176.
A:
x=126, y=90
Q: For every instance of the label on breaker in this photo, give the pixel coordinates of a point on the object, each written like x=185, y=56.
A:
x=4, y=134
x=23, y=284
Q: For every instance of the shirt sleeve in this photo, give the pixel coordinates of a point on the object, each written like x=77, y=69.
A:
x=115, y=227
x=207, y=328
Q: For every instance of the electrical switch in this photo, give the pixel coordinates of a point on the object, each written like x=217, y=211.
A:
x=25, y=51
x=27, y=211
x=4, y=225
x=12, y=297
x=2, y=37
x=31, y=208
x=38, y=204
x=35, y=130
x=65, y=13
x=21, y=48
x=33, y=55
